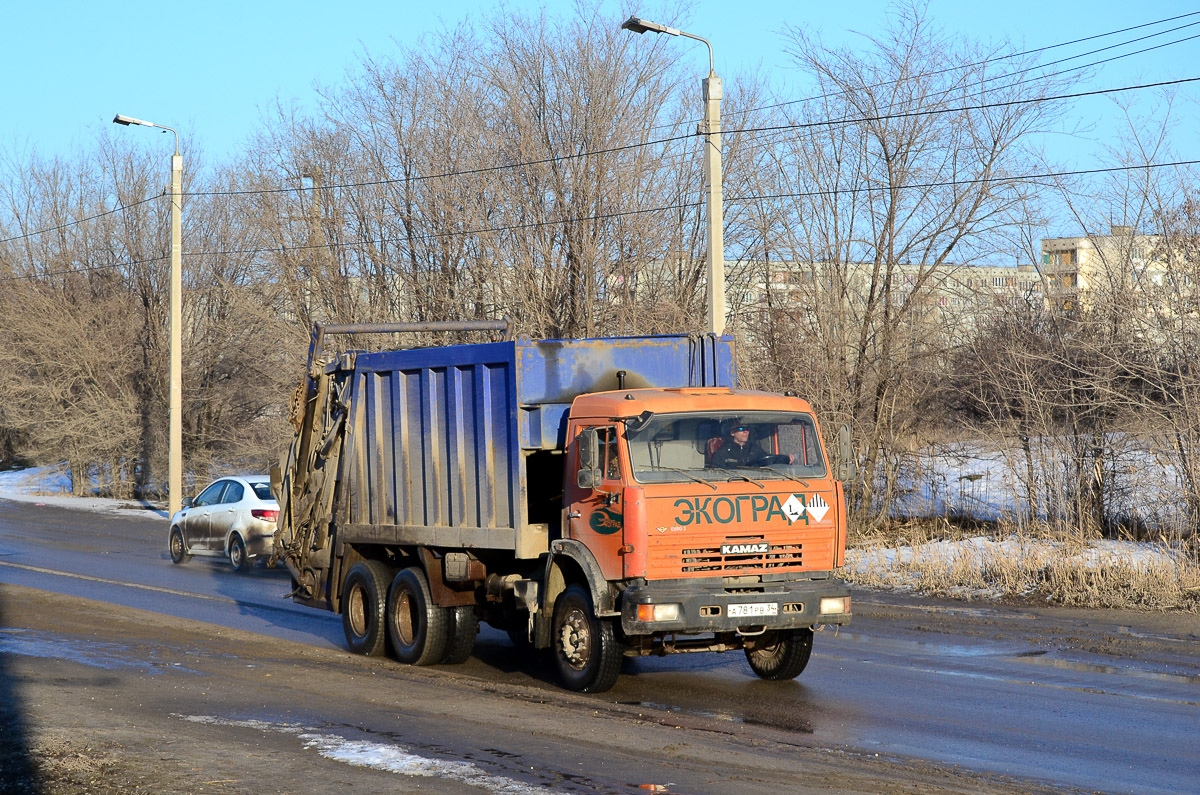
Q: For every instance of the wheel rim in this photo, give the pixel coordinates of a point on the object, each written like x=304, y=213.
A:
x=356, y=611
x=769, y=651
x=575, y=639
x=405, y=620
x=236, y=554
x=176, y=545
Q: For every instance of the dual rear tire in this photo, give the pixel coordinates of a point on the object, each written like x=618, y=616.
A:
x=381, y=610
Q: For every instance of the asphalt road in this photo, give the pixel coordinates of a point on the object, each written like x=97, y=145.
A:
x=921, y=694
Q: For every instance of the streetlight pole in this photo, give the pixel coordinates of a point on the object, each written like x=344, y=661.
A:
x=175, y=470
x=711, y=90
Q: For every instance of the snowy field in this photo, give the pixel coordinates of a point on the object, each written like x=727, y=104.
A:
x=985, y=568
x=52, y=486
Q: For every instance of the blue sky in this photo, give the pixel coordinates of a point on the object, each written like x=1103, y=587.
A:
x=210, y=68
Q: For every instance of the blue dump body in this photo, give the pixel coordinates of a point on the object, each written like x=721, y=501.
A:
x=437, y=438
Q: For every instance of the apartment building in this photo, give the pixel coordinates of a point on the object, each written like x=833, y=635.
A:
x=1076, y=268
x=947, y=291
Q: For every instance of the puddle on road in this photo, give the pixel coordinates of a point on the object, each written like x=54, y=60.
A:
x=1099, y=668
x=971, y=612
x=942, y=649
x=110, y=656
x=1191, y=640
x=776, y=719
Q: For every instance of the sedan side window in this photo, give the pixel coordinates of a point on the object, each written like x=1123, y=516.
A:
x=211, y=495
x=233, y=493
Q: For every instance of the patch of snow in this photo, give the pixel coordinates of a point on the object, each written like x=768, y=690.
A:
x=383, y=756
x=980, y=550
x=51, y=485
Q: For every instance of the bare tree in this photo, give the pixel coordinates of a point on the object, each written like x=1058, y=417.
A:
x=908, y=162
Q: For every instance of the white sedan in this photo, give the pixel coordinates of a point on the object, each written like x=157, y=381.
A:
x=234, y=517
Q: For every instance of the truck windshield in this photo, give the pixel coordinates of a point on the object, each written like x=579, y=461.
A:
x=718, y=446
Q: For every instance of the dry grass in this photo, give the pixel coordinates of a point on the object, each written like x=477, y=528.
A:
x=1045, y=567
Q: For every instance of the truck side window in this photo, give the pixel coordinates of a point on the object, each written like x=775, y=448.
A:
x=608, y=444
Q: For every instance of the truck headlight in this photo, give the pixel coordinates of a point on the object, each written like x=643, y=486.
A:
x=668, y=612
x=835, y=605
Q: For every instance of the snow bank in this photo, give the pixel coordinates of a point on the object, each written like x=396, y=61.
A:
x=52, y=486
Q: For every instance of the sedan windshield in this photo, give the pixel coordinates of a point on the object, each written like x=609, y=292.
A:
x=752, y=446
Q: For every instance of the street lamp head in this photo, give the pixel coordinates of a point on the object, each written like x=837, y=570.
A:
x=128, y=120
x=637, y=25
x=642, y=25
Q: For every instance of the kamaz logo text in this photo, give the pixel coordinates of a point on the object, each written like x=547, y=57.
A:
x=745, y=549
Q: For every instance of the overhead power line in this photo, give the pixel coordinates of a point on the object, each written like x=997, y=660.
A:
x=609, y=216
x=768, y=128
x=772, y=134
x=1010, y=56
x=763, y=129
x=963, y=182
x=84, y=269
x=78, y=221
x=963, y=108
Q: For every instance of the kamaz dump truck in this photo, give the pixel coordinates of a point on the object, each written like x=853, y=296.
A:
x=601, y=498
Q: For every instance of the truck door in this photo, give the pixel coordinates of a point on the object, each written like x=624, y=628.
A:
x=594, y=506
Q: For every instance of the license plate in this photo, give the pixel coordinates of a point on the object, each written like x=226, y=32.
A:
x=754, y=609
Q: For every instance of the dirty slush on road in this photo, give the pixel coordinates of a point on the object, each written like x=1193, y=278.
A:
x=178, y=706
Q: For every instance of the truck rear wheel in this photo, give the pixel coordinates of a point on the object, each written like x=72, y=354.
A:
x=464, y=626
x=418, y=629
x=780, y=655
x=585, y=647
x=364, y=600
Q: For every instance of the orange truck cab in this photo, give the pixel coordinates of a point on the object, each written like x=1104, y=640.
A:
x=714, y=548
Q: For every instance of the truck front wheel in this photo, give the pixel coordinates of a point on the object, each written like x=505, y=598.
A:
x=364, y=599
x=585, y=647
x=419, y=629
x=780, y=655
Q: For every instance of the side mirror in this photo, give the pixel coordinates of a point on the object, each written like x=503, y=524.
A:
x=847, y=460
x=588, y=476
x=186, y=503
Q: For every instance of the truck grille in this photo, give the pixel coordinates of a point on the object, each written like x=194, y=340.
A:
x=710, y=559
x=699, y=554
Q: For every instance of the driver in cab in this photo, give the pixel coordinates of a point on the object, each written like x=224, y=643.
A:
x=737, y=451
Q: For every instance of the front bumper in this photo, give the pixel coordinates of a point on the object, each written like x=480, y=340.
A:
x=704, y=605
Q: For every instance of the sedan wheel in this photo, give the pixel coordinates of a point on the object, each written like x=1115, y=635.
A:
x=237, y=554
x=177, y=548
